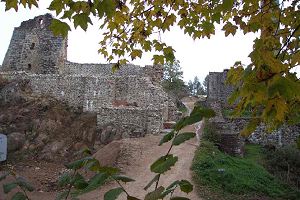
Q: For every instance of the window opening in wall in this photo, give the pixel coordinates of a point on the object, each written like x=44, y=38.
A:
x=41, y=23
x=29, y=67
x=32, y=46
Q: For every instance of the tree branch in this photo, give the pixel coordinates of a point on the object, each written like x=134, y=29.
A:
x=288, y=40
x=280, y=13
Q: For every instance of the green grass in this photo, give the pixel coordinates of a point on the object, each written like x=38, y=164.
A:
x=254, y=153
x=227, y=175
x=183, y=109
x=229, y=113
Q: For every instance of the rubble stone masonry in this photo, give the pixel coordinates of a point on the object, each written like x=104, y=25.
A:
x=218, y=93
x=131, y=97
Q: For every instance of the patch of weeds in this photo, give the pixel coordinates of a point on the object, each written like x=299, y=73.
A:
x=229, y=113
x=229, y=176
x=183, y=108
x=284, y=162
x=210, y=133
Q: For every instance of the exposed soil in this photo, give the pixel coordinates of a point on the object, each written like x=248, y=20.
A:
x=52, y=129
x=133, y=156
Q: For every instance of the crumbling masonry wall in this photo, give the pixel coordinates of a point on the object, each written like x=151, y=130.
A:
x=155, y=72
x=115, y=99
x=218, y=93
x=218, y=90
x=132, y=98
x=35, y=49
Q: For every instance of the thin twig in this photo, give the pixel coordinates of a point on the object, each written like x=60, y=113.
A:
x=121, y=186
x=279, y=18
x=288, y=40
x=70, y=185
x=168, y=152
x=24, y=191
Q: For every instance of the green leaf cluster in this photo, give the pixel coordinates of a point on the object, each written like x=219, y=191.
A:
x=14, y=4
x=18, y=183
x=75, y=184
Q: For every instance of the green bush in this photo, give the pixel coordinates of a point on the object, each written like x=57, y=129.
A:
x=182, y=108
x=284, y=162
x=298, y=142
x=210, y=133
x=241, y=176
x=228, y=113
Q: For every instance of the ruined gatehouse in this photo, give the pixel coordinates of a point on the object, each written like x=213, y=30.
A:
x=131, y=98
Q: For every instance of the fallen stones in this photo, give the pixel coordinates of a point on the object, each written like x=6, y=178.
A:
x=169, y=124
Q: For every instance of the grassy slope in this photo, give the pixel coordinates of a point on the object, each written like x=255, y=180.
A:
x=220, y=176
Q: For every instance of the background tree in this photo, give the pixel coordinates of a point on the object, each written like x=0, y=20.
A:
x=205, y=85
x=195, y=87
x=191, y=87
x=199, y=90
x=172, y=71
x=267, y=85
x=172, y=80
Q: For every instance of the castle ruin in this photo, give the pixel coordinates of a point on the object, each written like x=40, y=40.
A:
x=229, y=127
x=217, y=89
x=131, y=98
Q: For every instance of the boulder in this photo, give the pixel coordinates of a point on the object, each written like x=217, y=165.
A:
x=53, y=150
x=79, y=146
x=15, y=141
x=169, y=124
x=109, y=154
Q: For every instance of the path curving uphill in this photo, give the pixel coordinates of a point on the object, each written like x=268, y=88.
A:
x=134, y=156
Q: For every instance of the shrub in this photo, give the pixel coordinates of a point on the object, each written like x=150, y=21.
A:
x=232, y=175
x=284, y=162
x=210, y=133
x=182, y=108
x=298, y=142
x=229, y=113
x=201, y=103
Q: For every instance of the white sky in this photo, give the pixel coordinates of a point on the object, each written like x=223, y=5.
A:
x=197, y=58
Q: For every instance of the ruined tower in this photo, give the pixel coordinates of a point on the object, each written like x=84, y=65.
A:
x=33, y=48
x=217, y=89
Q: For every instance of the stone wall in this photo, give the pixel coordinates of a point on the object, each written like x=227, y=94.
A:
x=217, y=89
x=135, y=97
x=138, y=120
x=232, y=144
x=92, y=69
x=283, y=136
x=33, y=48
x=123, y=91
x=154, y=72
x=230, y=140
x=65, y=88
x=131, y=98
x=218, y=93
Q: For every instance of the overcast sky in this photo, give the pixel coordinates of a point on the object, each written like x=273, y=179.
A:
x=197, y=58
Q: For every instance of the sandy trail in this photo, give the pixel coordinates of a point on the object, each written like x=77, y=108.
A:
x=140, y=169
x=144, y=152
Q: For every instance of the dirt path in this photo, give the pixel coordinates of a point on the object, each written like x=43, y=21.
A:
x=139, y=168
x=135, y=162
